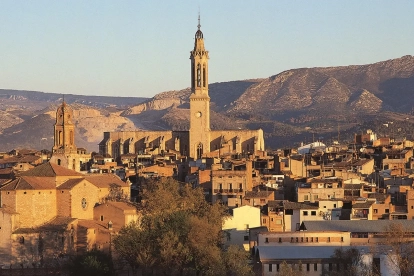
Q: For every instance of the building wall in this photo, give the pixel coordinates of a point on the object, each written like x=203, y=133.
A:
x=140, y=141
x=84, y=190
x=8, y=198
x=6, y=229
x=237, y=226
x=107, y=212
x=64, y=197
x=41, y=203
x=304, y=238
x=316, y=194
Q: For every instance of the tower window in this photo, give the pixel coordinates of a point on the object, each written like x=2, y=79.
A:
x=198, y=75
x=204, y=76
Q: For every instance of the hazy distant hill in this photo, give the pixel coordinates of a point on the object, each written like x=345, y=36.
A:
x=293, y=106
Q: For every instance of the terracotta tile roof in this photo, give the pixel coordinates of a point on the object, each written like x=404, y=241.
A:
x=30, y=183
x=57, y=223
x=20, y=159
x=105, y=180
x=366, y=204
x=299, y=205
x=92, y=224
x=69, y=184
x=275, y=203
x=258, y=194
x=50, y=170
x=121, y=205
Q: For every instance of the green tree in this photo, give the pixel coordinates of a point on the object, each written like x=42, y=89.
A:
x=179, y=234
x=290, y=270
x=92, y=263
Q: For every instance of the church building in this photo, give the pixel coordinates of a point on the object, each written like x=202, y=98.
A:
x=200, y=140
x=64, y=151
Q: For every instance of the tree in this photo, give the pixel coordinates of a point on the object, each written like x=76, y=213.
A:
x=290, y=270
x=92, y=263
x=179, y=234
x=350, y=263
x=399, y=248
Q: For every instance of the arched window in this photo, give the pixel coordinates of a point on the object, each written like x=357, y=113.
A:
x=60, y=138
x=198, y=75
x=199, y=150
x=204, y=76
x=59, y=162
x=71, y=137
x=192, y=75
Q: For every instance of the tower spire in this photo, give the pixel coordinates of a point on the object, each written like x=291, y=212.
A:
x=198, y=26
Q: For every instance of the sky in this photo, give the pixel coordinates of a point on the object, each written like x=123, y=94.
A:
x=140, y=48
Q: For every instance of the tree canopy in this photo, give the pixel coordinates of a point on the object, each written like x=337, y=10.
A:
x=179, y=234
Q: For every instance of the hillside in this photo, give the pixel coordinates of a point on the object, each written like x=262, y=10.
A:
x=293, y=106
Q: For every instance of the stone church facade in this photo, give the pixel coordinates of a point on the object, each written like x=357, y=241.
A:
x=200, y=140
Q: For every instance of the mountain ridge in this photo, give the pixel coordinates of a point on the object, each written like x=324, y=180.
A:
x=290, y=106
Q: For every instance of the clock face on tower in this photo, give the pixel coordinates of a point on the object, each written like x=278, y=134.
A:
x=198, y=114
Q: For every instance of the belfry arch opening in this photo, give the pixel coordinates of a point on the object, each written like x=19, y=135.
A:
x=199, y=150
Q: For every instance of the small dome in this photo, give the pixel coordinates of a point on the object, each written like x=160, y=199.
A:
x=199, y=34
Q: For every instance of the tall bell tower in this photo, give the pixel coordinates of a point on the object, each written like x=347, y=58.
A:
x=199, y=98
x=64, y=130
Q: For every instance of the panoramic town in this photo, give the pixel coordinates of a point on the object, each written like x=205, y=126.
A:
x=207, y=201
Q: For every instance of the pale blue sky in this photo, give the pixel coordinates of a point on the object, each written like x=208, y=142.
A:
x=141, y=47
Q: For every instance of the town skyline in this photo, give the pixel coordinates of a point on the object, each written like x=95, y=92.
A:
x=139, y=49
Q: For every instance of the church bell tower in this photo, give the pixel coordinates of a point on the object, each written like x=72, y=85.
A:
x=199, y=99
x=64, y=133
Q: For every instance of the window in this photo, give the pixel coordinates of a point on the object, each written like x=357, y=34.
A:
x=307, y=267
x=21, y=240
x=266, y=240
x=301, y=239
x=316, y=197
x=246, y=238
x=329, y=239
x=335, y=205
x=305, y=213
x=305, y=197
x=315, y=267
x=291, y=239
x=271, y=219
x=313, y=213
x=307, y=239
x=311, y=239
x=342, y=239
x=270, y=268
x=277, y=267
x=264, y=220
x=280, y=239
x=375, y=211
x=316, y=239
x=387, y=211
x=102, y=218
x=297, y=239
x=330, y=266
x=412, y=207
